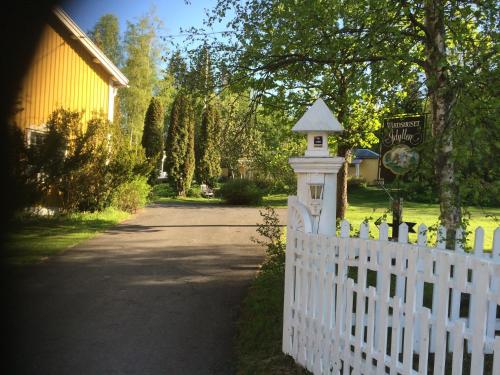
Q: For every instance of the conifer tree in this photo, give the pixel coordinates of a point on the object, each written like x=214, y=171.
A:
x=179, y=163
x=208, y=168
x=152, y=136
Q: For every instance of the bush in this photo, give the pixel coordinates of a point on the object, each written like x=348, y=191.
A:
x=241, y=191
x=163, y=190
x=132, y=195
x=82, y=166
x=356, y=183
x=194, y=191
x=265, y=185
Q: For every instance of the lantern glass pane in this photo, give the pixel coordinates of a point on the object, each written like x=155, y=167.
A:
x=316, y=191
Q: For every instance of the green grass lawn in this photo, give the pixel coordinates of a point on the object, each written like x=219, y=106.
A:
x=33, y=239
x=373, y=202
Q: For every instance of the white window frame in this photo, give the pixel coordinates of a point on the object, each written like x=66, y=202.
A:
x=32, y=131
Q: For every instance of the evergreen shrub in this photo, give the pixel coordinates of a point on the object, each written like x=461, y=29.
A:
x=163, y=190
x=241, y=191
x=132, y=195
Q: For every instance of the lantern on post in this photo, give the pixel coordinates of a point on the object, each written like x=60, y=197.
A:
x=316, y=172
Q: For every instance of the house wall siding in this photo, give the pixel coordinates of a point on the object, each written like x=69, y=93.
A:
x=62, y=74
x=368, y=170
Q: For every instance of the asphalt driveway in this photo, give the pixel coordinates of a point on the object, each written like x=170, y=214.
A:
x=158, y=294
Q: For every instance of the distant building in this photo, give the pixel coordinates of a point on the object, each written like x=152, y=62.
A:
x=68, y=70
x=364, y=165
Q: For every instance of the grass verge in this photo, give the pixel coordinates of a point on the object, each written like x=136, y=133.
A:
x=258, y=342
x=33, y=239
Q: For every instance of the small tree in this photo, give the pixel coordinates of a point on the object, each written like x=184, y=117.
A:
x=209, y=163
x=179, y=163
x=152, y=136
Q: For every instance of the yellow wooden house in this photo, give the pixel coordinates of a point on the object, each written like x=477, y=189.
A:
x=364, y=165
x=68, y=70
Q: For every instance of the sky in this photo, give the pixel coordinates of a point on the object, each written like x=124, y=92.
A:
x=175, y=14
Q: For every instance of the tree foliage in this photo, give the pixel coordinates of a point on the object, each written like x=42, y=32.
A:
x=106, y=35
x=142, y=55
x=209, y=165
x=152, y=136
x=290, y=51
x=179, y=146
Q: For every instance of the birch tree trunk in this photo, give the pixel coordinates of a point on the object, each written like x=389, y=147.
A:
x=441, y=94
x=342, y=202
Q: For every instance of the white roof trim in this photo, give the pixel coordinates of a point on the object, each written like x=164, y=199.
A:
x=318, y=118
x=116, y=74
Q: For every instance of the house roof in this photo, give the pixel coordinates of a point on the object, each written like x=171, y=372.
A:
x=318, y=118
x=364, y=153
x=117, y=76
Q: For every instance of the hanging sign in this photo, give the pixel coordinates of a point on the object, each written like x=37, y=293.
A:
x=400, y=136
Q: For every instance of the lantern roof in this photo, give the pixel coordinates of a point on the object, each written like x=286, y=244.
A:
x=318, y=118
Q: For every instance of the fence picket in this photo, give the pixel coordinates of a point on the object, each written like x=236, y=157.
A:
x=370, y=326
x=421, y=241
x=496, y=245
x=440, y=312
x=340, y=307
x=459, y=282
x=288, y=297
x=382, y=308
x=360, y=307
x=395, y=334
x=459, y=240
x=479, y=242
x=478, y=325
x=409, y=310
x=424, y=318
x=345, y=229
x=422, y=235
x=441, y=238
x=458, y=347
x=348, y=327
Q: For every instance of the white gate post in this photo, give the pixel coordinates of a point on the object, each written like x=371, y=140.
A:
x=317, y=170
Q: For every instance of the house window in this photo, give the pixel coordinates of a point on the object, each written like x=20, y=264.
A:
x=36, y=137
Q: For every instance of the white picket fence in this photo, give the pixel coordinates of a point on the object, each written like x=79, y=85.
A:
x=377, y=322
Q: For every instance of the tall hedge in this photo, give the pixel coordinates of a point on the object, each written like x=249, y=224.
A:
x=152, y=136
x=179, y=163
x=208, y=168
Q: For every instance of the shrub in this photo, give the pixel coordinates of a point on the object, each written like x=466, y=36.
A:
x=194, y=191
x=163, y=190
x=356, y=183
x=132, y=195
x=265, y=185
x=271, y=237
x=241, y=191
x=81, y=166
